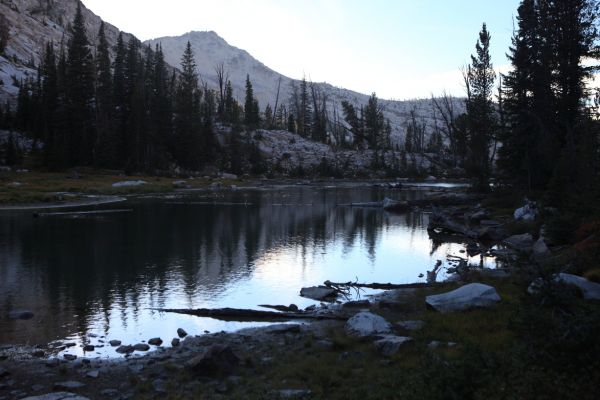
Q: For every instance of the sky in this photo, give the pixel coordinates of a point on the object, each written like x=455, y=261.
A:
x=400, y=49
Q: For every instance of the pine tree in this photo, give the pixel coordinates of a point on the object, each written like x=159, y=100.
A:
x=187, y=121
x=49, y=72
x=480, y=82
x=104, y=103
x=251, y=110
x=80, y=94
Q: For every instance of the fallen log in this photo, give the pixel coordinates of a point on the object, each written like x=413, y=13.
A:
x=240, y=314
x=382, y=286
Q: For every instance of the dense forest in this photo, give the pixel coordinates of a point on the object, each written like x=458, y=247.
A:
x=535, y=128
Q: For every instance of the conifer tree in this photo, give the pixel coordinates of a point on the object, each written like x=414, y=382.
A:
x=187, y=122
x=480, y=79
x=80, y=94
x=251, y=110
x=104, y=103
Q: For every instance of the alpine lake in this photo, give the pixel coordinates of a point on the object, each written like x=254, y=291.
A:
x=89, y=278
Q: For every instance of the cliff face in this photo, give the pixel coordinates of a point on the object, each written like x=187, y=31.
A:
x=34, y=23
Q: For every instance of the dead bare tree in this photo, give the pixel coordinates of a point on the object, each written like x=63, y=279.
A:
x=444, y=106
x=222, y=78
x=276, y=102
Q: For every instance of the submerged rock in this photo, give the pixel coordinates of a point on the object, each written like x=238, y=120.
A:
x=181, y=332
x=468, y=296
x=318, y=292
x=141, y=347
x=125, y=349
x=365, y=324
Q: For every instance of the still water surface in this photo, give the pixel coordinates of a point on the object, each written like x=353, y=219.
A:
x=93, y=278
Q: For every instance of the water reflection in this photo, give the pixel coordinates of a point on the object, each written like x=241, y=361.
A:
x=105, y=275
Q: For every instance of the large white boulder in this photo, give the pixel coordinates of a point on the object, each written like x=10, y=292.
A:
x=590, y=290
x=365, y=324
x=465, y=297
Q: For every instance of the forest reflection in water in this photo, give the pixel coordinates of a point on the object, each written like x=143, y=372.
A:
x=104, y=274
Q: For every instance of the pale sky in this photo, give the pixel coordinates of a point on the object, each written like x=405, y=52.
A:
x=400, y=49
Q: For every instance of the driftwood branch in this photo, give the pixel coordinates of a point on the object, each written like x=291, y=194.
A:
x=382, y=286
x=240, y=314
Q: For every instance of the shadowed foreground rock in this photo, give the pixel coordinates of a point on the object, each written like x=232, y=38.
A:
x=215, y=360
x=463, y=298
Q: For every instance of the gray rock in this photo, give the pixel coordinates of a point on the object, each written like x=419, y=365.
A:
x=283, y=328
x=528, y=212
x=357, y=304
x=540, y=250
x=175, y=342
x=88, y=347
x=155, y=341
x=215, y=360
x=522, y=242
x=411, y=325
x=590, y=290
x=318, y=293
x=70, y=357
x=125, y=349
x=93, y=374
x=38, y=353
x=141, y=347
x=181, y=333
x=129, y=183
x=390, y=344
x=115, y=343
x=468, y=296
x=57, y=396
x=181, y=185
x=365, y=324
x=20, y=314
x=225, y=175
x=294, y=393
x=68, y=385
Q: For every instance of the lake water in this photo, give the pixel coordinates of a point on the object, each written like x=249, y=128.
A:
x=94, y=278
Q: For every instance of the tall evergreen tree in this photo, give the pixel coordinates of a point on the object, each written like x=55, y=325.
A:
x=104, y=103
x=480, y=82
x=187, y=113
x=251, y=111
x=80, y=94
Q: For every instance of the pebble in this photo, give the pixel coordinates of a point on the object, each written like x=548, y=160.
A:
x=181, y=333
x=93, y=374
x=141, y=347
x=155, y=341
